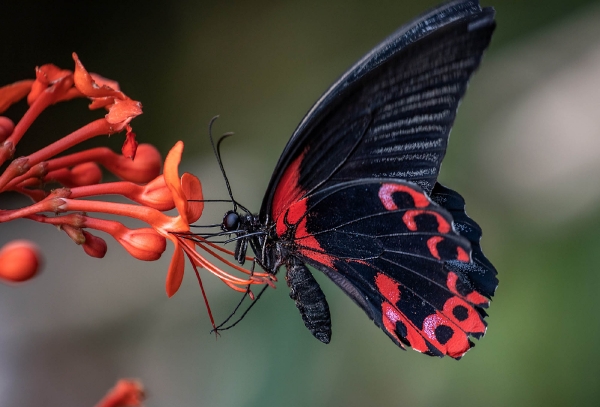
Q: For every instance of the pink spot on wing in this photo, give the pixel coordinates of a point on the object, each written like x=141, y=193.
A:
x=390, y=318
x=387, y=190
x=429, y=325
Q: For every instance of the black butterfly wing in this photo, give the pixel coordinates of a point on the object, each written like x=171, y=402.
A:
x=479, y=275
x=387, y=245
x=390, y=115
x=350, y=193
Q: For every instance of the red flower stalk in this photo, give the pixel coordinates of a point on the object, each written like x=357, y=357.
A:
x=79, y=176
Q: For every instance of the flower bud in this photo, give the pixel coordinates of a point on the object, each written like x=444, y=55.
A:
x=94, y=246
x=86, y=174
x=20, y=260
x=143, y=244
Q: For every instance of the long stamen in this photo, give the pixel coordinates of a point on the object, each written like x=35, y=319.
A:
x=212, y=320
x=223, y=275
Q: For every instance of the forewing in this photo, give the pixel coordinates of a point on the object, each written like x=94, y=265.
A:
x=390, y=115
x=385, y=243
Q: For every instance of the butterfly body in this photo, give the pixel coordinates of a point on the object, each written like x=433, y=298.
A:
x=355, y=192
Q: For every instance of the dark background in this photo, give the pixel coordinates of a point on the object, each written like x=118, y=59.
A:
x=525, y=153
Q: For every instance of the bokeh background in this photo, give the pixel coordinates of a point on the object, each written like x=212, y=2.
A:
x=525, y=153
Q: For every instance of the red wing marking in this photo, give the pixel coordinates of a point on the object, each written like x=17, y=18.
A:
x=310, y=247
x=409, y=220
x=387, y=190
x=308, y=244
x=445, y=335
x=291, y=215
x=432, y=246
x=288, y=190
x=390, y=318
x=389, y=288
x=430, y=324
x=462, y=255
x=447, y=332
x=473, y=297
x=463, y=315
x=477, y=299
x=296, y=211
x=295, y=214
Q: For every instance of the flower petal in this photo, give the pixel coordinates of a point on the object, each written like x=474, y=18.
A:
x=88, y=86
x=176, y=268
x=156, y=195
x=130, y=145
x=123, y=111
x=45, y=76
x=192, y=188
x=171, y=174
x=102, y=81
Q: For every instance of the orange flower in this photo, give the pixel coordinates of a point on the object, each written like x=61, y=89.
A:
x=81, y=188
x=189, y=212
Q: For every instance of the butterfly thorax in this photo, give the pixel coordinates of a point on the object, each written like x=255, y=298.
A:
x=269, y=252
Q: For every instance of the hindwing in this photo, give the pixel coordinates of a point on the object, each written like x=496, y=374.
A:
x=398, y=256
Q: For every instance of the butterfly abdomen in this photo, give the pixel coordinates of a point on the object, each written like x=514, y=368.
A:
x=309, y=299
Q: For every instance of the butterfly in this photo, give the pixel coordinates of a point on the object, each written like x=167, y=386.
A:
x=355, y=192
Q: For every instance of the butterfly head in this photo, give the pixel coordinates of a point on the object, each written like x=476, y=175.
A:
x=231, y=221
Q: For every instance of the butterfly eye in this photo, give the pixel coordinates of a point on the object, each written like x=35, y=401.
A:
x=231, y=221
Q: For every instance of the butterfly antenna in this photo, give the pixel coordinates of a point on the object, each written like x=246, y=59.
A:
x=216, y=150
x=246, y=294
x=235, y=203
x=218, y=328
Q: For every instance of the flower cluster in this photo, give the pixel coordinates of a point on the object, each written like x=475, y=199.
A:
x=78, y=176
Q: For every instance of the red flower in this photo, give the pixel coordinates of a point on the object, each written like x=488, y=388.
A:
x=79, y=176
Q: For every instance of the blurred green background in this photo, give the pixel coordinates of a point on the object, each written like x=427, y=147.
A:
x=525, y=153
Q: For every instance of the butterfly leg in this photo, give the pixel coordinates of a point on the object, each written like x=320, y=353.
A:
x=241, y=248
x=310, y=300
